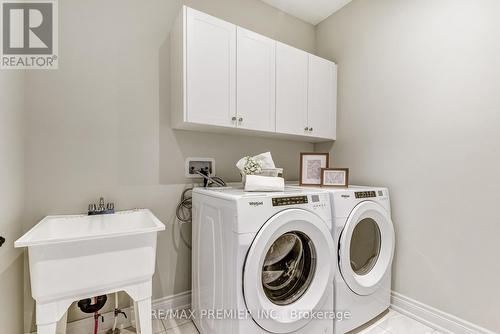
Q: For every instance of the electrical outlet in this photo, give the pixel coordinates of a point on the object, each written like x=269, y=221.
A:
x=197, y=164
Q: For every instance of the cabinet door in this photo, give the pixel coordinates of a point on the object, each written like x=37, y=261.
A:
x=256, y=81
x=322, y=100
x=291, y=90
x=210, y=69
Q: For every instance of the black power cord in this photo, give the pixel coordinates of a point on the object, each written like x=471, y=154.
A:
x=210, y=180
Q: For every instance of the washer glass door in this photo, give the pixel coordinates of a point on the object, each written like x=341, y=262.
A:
x=366, y=248
x=288, y=268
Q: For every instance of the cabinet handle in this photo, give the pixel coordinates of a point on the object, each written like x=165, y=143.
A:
x=306, y=128
x=240, y=119
x=233, y=118
x=310, y=129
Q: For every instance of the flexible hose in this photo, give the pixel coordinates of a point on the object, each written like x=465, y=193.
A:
x=96, y=324
x=184, y=213
x=184, y=210
x=185, y=206
x=96, y=319
x=116, y=315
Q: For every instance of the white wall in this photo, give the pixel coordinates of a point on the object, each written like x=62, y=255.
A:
x=11, y=199
x=100, y=124
x=419, y=102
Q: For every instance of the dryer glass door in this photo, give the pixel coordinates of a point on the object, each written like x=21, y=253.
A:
x=288, y=268
x=366, y=248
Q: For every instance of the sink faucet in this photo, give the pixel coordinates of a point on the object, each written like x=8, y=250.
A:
x=101, y=208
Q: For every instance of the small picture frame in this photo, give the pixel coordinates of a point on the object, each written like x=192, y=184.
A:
x=335, y=177
x=310, y=168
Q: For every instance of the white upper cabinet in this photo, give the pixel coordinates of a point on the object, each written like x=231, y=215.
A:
x=291, y=90
x=210, y=69
x=322, y=98
x=306, y=91
x=225, y=78
x=255, y=81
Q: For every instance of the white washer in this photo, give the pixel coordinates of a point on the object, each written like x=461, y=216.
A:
x=364, y=238
x=264, y=259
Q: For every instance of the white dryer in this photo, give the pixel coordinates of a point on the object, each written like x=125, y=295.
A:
x=262, y=262
x=364, y=236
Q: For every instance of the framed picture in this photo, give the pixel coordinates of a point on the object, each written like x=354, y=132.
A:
x=335, y=177
x=310, y=168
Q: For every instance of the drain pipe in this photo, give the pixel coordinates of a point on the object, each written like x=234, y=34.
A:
x=93, y=306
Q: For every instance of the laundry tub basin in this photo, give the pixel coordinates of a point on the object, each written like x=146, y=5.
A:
x=79, y=256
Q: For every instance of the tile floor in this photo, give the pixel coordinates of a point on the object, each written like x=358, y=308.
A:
x=390, y=322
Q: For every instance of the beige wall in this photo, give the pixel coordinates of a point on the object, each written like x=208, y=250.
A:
x=100, y=125
x=11, y=199
x=419, y=103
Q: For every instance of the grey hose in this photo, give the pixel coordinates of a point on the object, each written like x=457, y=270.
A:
x=184, y=208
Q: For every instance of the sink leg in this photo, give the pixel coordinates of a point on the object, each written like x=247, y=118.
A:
x=144, y=310
x=48, y=314
x=47, y=328
x=62, y=324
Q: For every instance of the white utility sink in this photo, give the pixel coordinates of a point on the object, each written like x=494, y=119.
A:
x=78, y=257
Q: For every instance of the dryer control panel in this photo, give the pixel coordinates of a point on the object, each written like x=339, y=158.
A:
x=365, y=194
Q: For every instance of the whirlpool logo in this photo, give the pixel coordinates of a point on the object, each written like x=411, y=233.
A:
x=29, y=34
x=256, y=204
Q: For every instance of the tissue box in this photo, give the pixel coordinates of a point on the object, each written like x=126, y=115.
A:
x=264, y=183
x=273, y=172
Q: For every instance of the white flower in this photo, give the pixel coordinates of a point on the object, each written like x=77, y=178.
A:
x=252, y=166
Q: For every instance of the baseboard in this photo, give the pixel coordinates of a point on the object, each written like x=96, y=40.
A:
x=85, y=326
x=443, y=322
x=175, y=302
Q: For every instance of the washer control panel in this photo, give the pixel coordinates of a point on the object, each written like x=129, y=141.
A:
x=319, y=203
x=290, y=200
